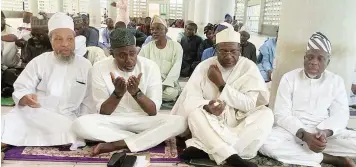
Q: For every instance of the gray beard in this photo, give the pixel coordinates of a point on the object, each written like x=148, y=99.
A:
x=65, y=59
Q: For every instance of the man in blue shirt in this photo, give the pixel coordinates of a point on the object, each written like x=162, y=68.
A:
x=266, y=58
x=106, y=32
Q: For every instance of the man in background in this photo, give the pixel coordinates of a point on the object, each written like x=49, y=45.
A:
x=190, y=44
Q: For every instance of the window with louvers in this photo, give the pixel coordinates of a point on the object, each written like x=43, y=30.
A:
x=272, y=12
x=240, y=10
x=176, y=9
x=138, y=8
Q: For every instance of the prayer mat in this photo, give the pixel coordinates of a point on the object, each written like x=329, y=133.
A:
x=166, y=152
x=260, y=160
x=7, y=101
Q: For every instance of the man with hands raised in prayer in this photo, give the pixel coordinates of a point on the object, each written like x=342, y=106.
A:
x=127, y=90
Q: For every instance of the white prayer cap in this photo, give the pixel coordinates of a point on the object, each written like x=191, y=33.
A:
x=60, y=20
x=80, y=45
x=228, y=35
x=157, y=19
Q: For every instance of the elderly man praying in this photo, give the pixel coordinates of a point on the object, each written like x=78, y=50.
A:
x=52, y=91
x=311, y=113
x=224, y=103
x=168, y=55
x=127, y=91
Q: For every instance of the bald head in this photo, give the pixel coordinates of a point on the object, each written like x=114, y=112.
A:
x=120, y=24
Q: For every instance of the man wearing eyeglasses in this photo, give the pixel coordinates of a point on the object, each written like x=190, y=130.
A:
x=312, y=112
x=224, y=103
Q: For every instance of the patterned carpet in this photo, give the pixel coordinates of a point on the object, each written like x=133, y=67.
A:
x=163, y=153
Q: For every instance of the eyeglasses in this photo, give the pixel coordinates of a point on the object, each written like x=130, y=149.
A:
x=225, y=53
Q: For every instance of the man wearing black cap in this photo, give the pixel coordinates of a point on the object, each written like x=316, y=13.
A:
x=127, y=91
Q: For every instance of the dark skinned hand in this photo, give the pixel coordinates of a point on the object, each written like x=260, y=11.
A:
x=215, y=76
x=120, y=85
x=316, y=142
x=214, y=108
x=132, y=84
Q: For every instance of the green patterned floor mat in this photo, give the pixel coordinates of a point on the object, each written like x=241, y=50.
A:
x=261, y=161
x=7, y=101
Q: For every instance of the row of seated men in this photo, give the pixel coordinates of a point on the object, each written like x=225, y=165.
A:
x=87, y=42
x=62, y=100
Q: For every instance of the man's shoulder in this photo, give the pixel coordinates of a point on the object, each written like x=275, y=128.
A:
x=208, y=50
x=146, y=63
x=103, y=63
x=175, y=44
x=332, y=76
x=83, y=62
x=293, y=73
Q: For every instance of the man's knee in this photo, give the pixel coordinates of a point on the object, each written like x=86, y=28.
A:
x=195, y=115
x=178, y=122
x=170, y=94
x=265, y=117
x=84, y=123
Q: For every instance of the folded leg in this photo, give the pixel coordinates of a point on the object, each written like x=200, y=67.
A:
x=138, y=132
x=283, y=146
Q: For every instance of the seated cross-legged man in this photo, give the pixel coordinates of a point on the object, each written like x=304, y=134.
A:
x=127, y=91
x=50, y=93
x=168, y=55
x=311, y=113
x=224, y=103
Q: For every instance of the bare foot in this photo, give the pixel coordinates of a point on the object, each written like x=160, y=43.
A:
x=349, y=162
x=3, y=145
x=105, y=148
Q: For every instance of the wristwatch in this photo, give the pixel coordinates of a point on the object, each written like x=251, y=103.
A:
x=138, y=94
x=117, y=96
x=300, y=134
x=221, y=88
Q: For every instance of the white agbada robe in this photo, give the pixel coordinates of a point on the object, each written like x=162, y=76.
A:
x=128, y=122
x=9, y=55
x=169, y=59
x=63, y=92
x=244, y=124
x=311, y=104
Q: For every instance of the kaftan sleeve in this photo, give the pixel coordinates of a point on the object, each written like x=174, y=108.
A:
x=283, y=108
x=174, y=73
x=194, y=97
x=88, y=106
x=338, y=110
x=99, y=90
x=154, y=88
x=27, y=81
x=238, y=100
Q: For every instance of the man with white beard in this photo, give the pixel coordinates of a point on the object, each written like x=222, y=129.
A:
x=52, y=91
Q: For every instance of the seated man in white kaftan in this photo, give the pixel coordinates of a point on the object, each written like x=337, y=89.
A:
x=50, y=93
x=224, y=103
x=127, y=91
x=168, y=55
x=311, y=113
